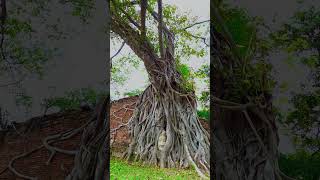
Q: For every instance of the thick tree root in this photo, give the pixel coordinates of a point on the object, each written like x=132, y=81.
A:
x=47, y=144
x=166, y=131
x=249, y=151
x=90, y=162
x=13, y=170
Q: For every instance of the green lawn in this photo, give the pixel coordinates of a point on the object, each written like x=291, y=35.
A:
x=121, y=170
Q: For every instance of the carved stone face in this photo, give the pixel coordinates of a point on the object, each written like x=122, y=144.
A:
x=162, y=140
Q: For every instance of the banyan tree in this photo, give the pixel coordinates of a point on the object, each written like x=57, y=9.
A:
x=164, y=129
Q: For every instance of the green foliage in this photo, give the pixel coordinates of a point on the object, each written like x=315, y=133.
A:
x=311, y=61
x=205, y=99
x=204, y=114
x=304, y=120
x=24, y=100
x=241, y=28
x=252, y=81
x=300, y=35
x=186, y=43
x=252, y=75
x=186, y=76
x=32, y=59
x=135, y=92
x=16, y=27
x=83, y=8
x=120, y=169
x=301, y=165
x=74, y=99
x=121, y=67
x=184, y=70
x=204, y=73
x=24, y=49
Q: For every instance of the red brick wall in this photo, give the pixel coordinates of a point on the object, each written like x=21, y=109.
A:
x=121, y=112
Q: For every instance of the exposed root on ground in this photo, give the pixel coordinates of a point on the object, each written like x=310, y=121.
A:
x=47, y=143
x=13, y=170
x=90, y=160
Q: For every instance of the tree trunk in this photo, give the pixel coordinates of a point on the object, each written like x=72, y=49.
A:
x=244, y=134
x=91, y=161
x=164, y=129
x=244, y=137
x=245, y=145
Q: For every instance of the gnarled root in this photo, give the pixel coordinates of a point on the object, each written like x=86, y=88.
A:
x=166, y=131
x=90, y=160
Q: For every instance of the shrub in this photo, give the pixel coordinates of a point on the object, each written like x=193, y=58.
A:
x=301, y=165
x=74, y=99
x=204, y=114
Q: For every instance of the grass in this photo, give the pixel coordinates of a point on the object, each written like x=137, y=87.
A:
x=204, y=114
x=301, y=165
x=121, y=170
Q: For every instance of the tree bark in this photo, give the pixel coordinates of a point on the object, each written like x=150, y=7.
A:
x=91, y=161
x=244, y=134
x=245, y=145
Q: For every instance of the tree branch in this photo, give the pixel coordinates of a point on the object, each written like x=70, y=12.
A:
x=202, y=38
x=197, y=23
x=144, y=5
x=142, y=48
x=119, y=50
x=226, y=32
x=3, y=21
x=160, y=24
